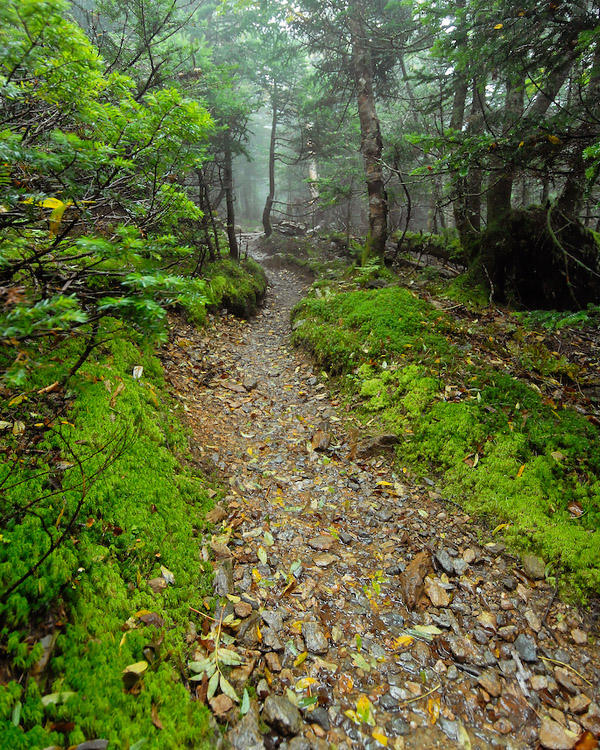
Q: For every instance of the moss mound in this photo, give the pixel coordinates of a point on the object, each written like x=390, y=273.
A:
x=117, y=448
x=501, y=449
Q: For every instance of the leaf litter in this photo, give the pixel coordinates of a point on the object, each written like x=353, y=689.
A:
x=369, y=605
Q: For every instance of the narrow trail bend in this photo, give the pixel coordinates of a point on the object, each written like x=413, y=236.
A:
x=358, y=588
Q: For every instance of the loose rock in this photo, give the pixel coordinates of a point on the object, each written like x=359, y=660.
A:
x=411, y=581
x=280, y=714
x=314, y=637
x=526, y=648
x=554, y=737
x=534, y=566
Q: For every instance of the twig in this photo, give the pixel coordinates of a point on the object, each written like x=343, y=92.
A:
x=549, y=607
x=418, y=697
x=568, y=666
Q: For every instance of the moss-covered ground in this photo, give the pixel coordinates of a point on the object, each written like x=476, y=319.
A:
x=498, y=446
x=100, y=473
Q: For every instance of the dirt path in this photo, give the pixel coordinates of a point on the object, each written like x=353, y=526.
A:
x=385, y=612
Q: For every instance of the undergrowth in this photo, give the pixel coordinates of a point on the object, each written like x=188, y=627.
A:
x=501, y=449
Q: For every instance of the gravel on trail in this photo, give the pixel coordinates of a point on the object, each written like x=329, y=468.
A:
x=370, y=612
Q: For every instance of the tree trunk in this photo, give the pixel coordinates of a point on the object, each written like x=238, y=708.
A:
x=205, y=206
x=371, y=142
x=228, y=187
x=500, y=191
x=266, y=215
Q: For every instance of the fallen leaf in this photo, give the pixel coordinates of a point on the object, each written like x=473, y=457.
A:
x=380, y=736
x=433, y=709
x=155, y=718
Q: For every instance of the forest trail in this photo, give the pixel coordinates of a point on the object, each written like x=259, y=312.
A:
x=391, y=617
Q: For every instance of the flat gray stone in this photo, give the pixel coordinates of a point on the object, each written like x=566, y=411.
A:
x=314, y=637
x=223, y=579
x=281, y=715
x=246, y=735
x=526, y=647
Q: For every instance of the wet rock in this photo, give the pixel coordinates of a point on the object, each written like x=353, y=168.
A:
x=526, y=648
x=399, y=727
x=554, y=737
x=579, y=637
x=393, y=620
x=411, y=581
x=271, y=640
x=509, y=583
x=460, y=566
x=322, y=543
x=437, y=594
x=534, y=567
x=216, y=515
x=220, y=551
x=250, y=383
x=345, y=537
x=262, y=689
x=388, y=703
x=314, y=638
x=299, y=743
x=490, y=682
x=242, y=609
x=157, y=584
x=325, y=560
x=465, y=651
x=481, y=636
x=272, y=662
x=221, y=705
x=395, y=569
x=375, y=445
x=508, y=633
x=591, y=721
x=452, y=672
x=247, y=635
x=533, y=620
x=566, y=679
x=445, y=562
x=246, y=735
x=281, y=715
x=223, y=578
x=320, y=717
x=579, y=704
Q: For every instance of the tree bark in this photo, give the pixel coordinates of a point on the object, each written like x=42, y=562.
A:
x=499, y=193
x=266, y=215
x=371, y=141
x=228, y=187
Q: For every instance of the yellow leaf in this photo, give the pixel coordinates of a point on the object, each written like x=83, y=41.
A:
x=554, y=139
x=500, y=527
x=56, y=218
x=51, y=203
x=365, y=710
x=300, y=659
x=404, y=640
x=258, y=634
x=384, y=484
x=520, y=472
x=305, y=682
x=433, y=709
x=380, y=736
x=498, y=26
x=521, y=144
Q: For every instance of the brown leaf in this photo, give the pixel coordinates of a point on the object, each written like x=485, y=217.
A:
x=155, y=718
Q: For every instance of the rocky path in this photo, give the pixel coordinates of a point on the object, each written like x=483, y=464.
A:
x=367, y=611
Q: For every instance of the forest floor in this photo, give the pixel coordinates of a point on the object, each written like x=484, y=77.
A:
x=368, y=611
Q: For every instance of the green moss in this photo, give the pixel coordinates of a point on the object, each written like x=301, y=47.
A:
x=500, y=450
x=142, y=509
x=238, y=287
